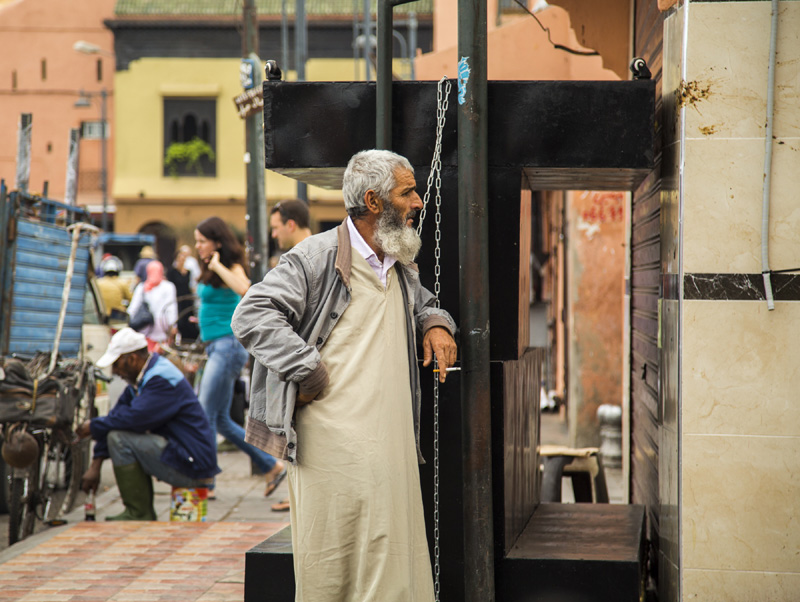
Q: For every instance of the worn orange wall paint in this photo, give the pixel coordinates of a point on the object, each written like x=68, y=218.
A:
x=518, y=50
x=36, y=30
x=597, y=265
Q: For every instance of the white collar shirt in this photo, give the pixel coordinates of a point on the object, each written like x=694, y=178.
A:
x=381, y=269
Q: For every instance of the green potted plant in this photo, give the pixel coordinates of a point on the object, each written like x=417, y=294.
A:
x=184, y=157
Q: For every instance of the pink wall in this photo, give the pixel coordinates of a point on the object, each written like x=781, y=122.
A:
x=35, y=30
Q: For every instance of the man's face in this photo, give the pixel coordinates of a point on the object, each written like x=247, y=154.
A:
x=281, y=232
x=126, y=368
x=394, y=231
x=404, y=198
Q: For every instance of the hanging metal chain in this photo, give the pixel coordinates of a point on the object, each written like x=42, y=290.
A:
x=435, y=176
x=442, y=100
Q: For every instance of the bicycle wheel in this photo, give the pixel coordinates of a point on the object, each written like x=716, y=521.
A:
x=5, y=485
x=23, y=491
x=75, y=457
x=60, y=477
x=74, y=464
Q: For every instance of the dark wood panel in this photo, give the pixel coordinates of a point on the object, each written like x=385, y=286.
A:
x=647, y=397
x=647, y=206
x=522, y=380
x=648, y=253
x=646, y=265
x=646, y=231
x=646, y=371
x=648, y=276
x=645, y=300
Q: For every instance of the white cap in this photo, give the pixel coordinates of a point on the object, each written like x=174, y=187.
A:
x=123, y=341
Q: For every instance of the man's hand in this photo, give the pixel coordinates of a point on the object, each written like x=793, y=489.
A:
x=439, y=341
x=91, y=478
x=83, y=430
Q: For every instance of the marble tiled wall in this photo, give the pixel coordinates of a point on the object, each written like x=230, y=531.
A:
x=740, y=363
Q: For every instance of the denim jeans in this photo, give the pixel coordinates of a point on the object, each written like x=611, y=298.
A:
x=226, y=358
x=127, y=447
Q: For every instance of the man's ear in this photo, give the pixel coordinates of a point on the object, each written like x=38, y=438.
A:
x=291, y=225
x=373, y=202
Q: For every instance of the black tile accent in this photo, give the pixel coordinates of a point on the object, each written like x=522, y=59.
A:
x=739, y=287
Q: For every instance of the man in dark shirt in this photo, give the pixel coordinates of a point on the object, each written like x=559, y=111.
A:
x=156, y=429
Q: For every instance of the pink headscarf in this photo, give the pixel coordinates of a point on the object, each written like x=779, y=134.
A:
x=155, y=274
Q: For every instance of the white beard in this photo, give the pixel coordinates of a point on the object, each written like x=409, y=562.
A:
x=395, y=238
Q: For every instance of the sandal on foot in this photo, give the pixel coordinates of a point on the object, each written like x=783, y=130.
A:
x=282, y=506
x=273, y=484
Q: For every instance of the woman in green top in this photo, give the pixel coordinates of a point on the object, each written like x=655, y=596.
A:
x=222, y=283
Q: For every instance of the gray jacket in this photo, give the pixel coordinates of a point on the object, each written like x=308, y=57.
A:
x=284, y=320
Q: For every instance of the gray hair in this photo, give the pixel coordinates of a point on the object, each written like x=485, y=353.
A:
x=370, y=170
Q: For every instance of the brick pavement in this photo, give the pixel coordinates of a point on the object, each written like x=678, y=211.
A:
x=150, y=561
x=136, y=562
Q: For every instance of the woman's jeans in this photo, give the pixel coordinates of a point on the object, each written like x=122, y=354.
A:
x=226, y=358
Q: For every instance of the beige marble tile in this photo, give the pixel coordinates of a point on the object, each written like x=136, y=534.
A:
x=726, y=79
x=741, y=368
x=739, y=503
x=739, y=586
x=671, y=75
x=722, y=205
x=668, y=471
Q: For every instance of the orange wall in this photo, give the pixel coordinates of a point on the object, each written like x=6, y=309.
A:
x=36, y=30
x=595, y=300
x=517, y=50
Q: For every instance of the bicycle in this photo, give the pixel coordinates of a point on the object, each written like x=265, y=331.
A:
x=47, y=488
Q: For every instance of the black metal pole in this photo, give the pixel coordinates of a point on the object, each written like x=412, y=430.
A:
x=301, y=56
x=473, y=224
x=383, y=79
x=254, y=144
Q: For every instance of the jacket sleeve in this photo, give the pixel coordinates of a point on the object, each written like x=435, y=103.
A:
x=268, y=316
x=149, y=410
x=171, y=308
x=136, y=300
x=427, y=315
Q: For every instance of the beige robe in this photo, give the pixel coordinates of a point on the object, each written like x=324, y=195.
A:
x=358, y=530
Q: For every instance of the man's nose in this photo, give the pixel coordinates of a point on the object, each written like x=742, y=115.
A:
x=416, y=202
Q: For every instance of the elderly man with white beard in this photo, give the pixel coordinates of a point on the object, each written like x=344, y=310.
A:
x=336, y=391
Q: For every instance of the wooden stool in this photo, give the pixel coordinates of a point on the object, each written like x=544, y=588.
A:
x=583, y=465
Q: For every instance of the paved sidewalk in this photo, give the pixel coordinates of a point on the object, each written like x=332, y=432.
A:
x=136, y=562
x=148, y=561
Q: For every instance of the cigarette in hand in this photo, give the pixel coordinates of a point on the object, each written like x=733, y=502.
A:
x=455, y=369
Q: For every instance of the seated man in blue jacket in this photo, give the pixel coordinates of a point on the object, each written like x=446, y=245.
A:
x=156, y=429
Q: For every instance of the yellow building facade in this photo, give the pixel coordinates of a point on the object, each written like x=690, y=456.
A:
x=143, y=190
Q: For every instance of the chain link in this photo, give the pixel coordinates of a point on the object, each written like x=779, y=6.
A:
x=435, y=177
x=442, y=101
